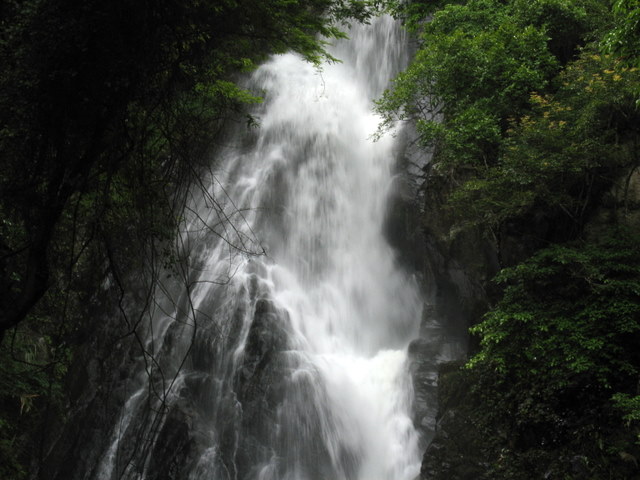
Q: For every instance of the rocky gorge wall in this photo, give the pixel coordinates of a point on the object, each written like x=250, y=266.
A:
x=461, y=267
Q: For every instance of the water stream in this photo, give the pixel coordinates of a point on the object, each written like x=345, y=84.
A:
x=290, y=365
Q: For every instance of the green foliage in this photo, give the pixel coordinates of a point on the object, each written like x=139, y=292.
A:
x=630, y=405
x=415, y=14
x=561, y=156
x=475, y=68
x=624, y=38
x=565, y=333
x=568, y=24
x=33, y=364
x=577, y=310
x=91, y=93
x=516, y=115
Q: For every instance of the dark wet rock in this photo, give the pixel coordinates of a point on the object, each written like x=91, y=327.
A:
x=266, y=339
x=176, y=448
x=259, y=381
x=282, y=405
x=402, y=230
x=454, y=452
x=435, y=347
x=260, y=387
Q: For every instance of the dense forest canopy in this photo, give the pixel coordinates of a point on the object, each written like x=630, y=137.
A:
x=107, y=102
x=109, y=111
x=531, y=112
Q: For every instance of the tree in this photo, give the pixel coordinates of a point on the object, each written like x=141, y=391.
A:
x=624, y=38
x=564, y=334
x=95, y=98
x=561, y=157
x=476, y=66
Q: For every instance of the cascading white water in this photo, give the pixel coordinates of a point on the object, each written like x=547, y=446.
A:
x=320, y=324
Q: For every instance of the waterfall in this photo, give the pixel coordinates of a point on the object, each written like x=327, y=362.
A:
x=281, y=353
